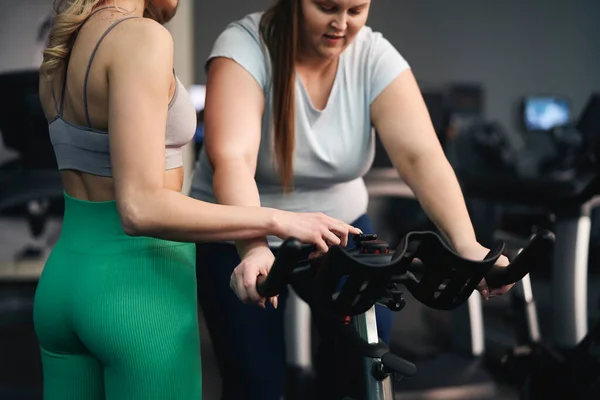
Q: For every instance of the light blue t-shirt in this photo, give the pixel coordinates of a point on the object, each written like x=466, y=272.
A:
x=334, y=147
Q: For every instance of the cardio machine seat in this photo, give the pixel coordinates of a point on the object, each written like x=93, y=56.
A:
x=551, y=192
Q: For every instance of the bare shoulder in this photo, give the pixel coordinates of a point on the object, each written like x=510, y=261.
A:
x=147, y=30
x=143, y=40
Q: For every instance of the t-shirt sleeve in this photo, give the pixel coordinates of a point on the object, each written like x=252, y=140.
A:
x=386, y=63
x=239, y=44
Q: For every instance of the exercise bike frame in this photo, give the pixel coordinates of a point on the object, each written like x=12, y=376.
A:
x=346, y=284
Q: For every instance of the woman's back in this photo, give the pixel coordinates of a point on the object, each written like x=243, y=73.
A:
x=79, y=105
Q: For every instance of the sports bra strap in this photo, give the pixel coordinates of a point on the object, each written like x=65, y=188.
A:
x=64, y=83
x=87, y=72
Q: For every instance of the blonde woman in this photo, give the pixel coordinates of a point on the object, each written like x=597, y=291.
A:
x=115, y=310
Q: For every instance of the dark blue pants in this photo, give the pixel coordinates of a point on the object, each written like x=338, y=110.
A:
x=249, y=341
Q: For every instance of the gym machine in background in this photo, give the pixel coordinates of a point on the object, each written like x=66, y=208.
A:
x=509, y=178
x=30, y=188
x=31, y=184
x=568, y=365
x=566, y=199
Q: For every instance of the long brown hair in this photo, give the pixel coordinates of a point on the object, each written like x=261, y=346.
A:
x=279, y=31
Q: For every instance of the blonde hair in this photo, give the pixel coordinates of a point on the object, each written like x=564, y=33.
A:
x=67, y=21
x=70, y=14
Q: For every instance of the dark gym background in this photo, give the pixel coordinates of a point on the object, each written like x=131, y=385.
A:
x=505, y=50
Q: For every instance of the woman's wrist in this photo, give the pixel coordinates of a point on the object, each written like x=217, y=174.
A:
x=275, y=226
x=244, y=247
x=267, y=226
x=463, y=241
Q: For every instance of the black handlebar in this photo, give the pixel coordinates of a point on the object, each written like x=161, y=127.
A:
x=286, y=261
x=351, y=281
x=537, y=254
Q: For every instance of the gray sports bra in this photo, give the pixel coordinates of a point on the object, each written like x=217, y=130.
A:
x=86, y=149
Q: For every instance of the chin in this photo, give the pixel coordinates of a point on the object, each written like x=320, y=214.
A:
x=330, y=52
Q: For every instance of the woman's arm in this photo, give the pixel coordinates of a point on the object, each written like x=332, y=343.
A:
x=139, y=76
x=139, y=81
x=401, y=117
x=232, y=119
x=402, y=120
x=233, y=113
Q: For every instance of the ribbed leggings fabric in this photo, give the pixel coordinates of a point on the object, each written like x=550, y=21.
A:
x=116, y=316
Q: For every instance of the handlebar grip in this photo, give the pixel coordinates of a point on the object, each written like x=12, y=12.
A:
x=396, y=364
x=537, y=253
x=285, y=260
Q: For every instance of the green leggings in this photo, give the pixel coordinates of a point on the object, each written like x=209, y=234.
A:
x=116, y=316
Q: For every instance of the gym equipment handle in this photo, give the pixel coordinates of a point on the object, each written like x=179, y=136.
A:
x=287, y=259
x=537, y=252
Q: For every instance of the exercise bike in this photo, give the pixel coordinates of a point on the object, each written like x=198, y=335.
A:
x=540, y=369
x=346, y=284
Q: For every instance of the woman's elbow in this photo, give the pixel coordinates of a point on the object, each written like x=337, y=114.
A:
x=232, y=167
x=133, y=220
